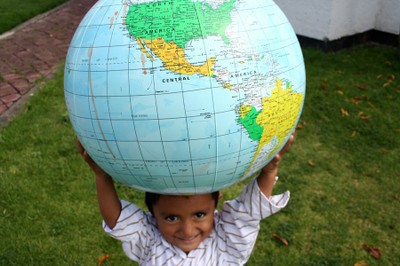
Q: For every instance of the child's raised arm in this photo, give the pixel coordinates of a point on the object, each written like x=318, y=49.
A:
x=110, y=206
x=266, y=179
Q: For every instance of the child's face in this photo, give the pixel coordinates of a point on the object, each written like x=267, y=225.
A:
x=185, y=221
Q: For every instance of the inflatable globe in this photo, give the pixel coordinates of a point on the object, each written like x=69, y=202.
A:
x=184, y=96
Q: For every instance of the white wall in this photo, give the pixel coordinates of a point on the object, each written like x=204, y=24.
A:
x=388, y=18
x=334, y=19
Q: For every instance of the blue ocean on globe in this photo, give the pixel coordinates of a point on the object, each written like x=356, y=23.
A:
x=184, y=96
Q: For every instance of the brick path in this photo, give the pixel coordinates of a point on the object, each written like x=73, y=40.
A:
x=33, y=51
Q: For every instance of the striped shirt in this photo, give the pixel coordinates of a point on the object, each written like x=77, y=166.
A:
x=230, y=242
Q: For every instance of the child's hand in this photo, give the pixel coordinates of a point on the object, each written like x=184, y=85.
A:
x=273, y=165
x=266, y=179
x=110, y=206
x=95, y=168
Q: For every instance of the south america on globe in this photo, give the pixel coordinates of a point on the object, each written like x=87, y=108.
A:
x=184, y=96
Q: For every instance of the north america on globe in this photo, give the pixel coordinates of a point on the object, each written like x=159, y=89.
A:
x=184, y=96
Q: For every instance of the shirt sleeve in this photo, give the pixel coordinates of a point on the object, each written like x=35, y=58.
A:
x=240, y=219
x=254, y=203
x=131, y=223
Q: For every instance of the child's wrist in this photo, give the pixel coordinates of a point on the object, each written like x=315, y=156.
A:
x=269, y=173
x=102, y=175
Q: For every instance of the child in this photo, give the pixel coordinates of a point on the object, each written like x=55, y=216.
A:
x=186, y=230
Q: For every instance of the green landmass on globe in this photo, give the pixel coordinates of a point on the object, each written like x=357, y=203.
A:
x=184, y=96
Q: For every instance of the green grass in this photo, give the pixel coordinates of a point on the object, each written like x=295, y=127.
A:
x=342, y=172
x=13, y=13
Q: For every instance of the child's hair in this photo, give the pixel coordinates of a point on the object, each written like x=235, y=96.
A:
x=152, y=198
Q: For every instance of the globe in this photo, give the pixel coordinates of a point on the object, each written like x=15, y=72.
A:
x=184, y=96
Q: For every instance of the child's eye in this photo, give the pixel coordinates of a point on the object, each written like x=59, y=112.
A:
x=200, y=215
x=171, y=218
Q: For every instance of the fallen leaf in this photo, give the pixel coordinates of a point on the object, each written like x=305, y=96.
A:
x=390, y=79
x=361, y=263
x=387, y=83
x=340, y=92
x=365, y=117
x=371, y=105
x=379, y=76
x=355, y=101
x=373, y=251
x=359, y=99
x=343, y=112
x=362, y=87
x=323, y=86
x=354, y=134
x=280, y=238
x=301, y=124
x=102, y=259
x=311, y=162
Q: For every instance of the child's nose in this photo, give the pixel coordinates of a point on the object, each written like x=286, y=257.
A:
x=187, y=228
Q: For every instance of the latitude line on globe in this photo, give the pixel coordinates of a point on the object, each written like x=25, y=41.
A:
x=90, y=52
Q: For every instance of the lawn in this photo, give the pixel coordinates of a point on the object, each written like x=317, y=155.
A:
x=13, y=13
x=342, y=172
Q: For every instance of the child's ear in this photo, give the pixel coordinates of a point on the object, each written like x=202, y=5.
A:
x=220, y=195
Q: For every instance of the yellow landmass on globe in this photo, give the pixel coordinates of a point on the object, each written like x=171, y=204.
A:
x=244, y=110
x=174, y=58
x=278, y=115
x=227, y=86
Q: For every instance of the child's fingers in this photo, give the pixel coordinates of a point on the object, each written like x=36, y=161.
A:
x=83, y=152
x=274, y=163
x=287, y=145
x=79, y=147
